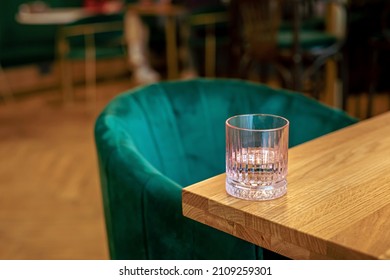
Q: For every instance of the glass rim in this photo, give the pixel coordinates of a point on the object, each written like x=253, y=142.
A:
x=258, y=130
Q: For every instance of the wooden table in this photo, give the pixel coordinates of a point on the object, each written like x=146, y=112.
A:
x=337, y=205
x=170, y=12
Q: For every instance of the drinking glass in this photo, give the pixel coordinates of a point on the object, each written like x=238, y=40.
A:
x=256, y=156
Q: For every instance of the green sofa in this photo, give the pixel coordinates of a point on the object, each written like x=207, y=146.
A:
x=152, y=141
x=27, y=44
x=22, y=44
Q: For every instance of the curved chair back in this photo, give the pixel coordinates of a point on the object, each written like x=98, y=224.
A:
x=153, y=140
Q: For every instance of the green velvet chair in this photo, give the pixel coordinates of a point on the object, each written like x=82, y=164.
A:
x=154, y=140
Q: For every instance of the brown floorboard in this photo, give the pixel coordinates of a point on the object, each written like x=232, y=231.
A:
x=50, y=201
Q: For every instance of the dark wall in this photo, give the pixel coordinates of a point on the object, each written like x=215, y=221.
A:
x=365, y=23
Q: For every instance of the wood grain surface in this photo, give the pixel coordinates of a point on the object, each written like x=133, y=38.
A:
x=337, y=205
x=50, y=198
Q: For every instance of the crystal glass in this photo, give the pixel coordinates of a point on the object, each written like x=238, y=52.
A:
x=256, y=156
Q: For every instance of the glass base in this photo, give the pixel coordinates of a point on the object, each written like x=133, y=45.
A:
x=239, y=190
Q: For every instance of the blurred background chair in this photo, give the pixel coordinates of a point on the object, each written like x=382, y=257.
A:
x=152, y=141
x=255, y=26
x=208, y=38
x=293, y=36
x=89, y=39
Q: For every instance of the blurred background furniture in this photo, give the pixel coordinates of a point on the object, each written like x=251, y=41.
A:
x=208, y=39
x=152, y=141
x=170, y=12
x=86, y=33
x=255, y=25
x=296, y=37
x=89, y=39
x=39, y=16
x=26, y=39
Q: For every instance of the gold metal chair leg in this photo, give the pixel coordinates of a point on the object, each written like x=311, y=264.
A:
x=67, y=81
x=170, y=31
x=331, y=94
x=210, y=52
x=90, y=69
x=65, y=67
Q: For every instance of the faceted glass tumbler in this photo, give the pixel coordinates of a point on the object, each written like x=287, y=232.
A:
x=256, y=156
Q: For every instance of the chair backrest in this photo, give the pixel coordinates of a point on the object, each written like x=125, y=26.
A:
x=154, y=140
x=208, y=28
x=294, y=36
x=256, y=24
x=101, y=34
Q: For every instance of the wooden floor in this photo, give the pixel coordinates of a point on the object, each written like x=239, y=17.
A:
x=50, y=201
